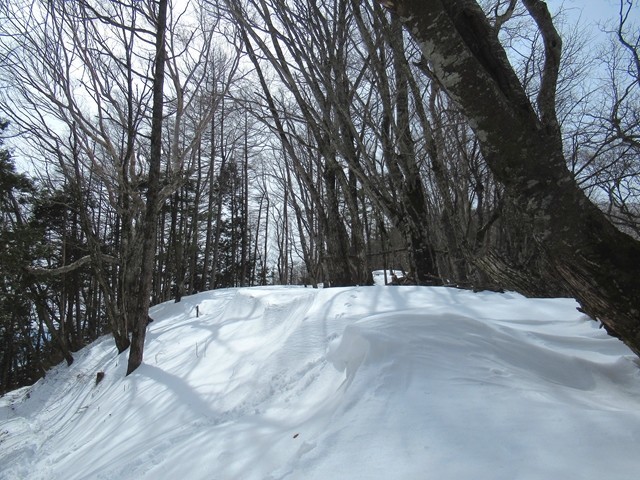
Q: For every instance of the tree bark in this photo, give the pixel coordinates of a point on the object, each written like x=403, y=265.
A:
x=523, y=148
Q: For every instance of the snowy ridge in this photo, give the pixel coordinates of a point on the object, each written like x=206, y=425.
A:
x=353, y=383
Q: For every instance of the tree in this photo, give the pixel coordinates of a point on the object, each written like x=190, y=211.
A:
x=18, y=364
x=150, y=225
x=522, y=145
x=325, y=115
x=609, y=160
x=79, y=83
x=42, y=310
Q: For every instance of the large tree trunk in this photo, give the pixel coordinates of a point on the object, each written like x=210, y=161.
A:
x=523, y=148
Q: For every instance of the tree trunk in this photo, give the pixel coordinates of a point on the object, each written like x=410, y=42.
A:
x=244, y=232
x=150, y=225
x=215, y=267
x=337, y=248
x=523, y=148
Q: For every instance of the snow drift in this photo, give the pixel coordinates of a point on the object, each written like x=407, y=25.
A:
x=349, y=383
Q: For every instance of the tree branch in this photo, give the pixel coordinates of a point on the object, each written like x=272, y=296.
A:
x=69, y=268
x=501, y=19
x=552, y=49
x=633, y=49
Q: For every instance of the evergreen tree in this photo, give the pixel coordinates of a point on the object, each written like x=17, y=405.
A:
x=20, y=350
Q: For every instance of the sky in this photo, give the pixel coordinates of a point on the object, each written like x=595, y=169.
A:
x=590, y=12
x=357, y=383
x=593, y=12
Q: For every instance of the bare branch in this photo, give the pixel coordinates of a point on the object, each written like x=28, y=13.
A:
x=633, y=48
x=502, y=18
x=552, y=47
x=81, y=262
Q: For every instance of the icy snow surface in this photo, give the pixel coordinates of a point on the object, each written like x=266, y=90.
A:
x=347, y=383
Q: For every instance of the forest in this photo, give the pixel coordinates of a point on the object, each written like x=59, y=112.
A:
x=153, y=149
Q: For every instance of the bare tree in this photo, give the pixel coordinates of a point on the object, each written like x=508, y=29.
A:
x=608, y=160
x=79, y=84
x=523, y=146
x=140, y=315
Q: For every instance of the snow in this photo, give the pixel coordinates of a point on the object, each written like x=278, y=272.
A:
x=382, y=382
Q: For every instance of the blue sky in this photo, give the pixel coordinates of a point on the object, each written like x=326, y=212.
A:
x=592, y=12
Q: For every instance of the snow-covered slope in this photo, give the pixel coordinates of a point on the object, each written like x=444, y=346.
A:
x=349, y=383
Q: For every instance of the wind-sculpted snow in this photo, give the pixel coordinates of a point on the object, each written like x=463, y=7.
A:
x=348, y=383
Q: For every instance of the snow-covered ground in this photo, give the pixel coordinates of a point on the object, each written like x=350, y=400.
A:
x=347, y=383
